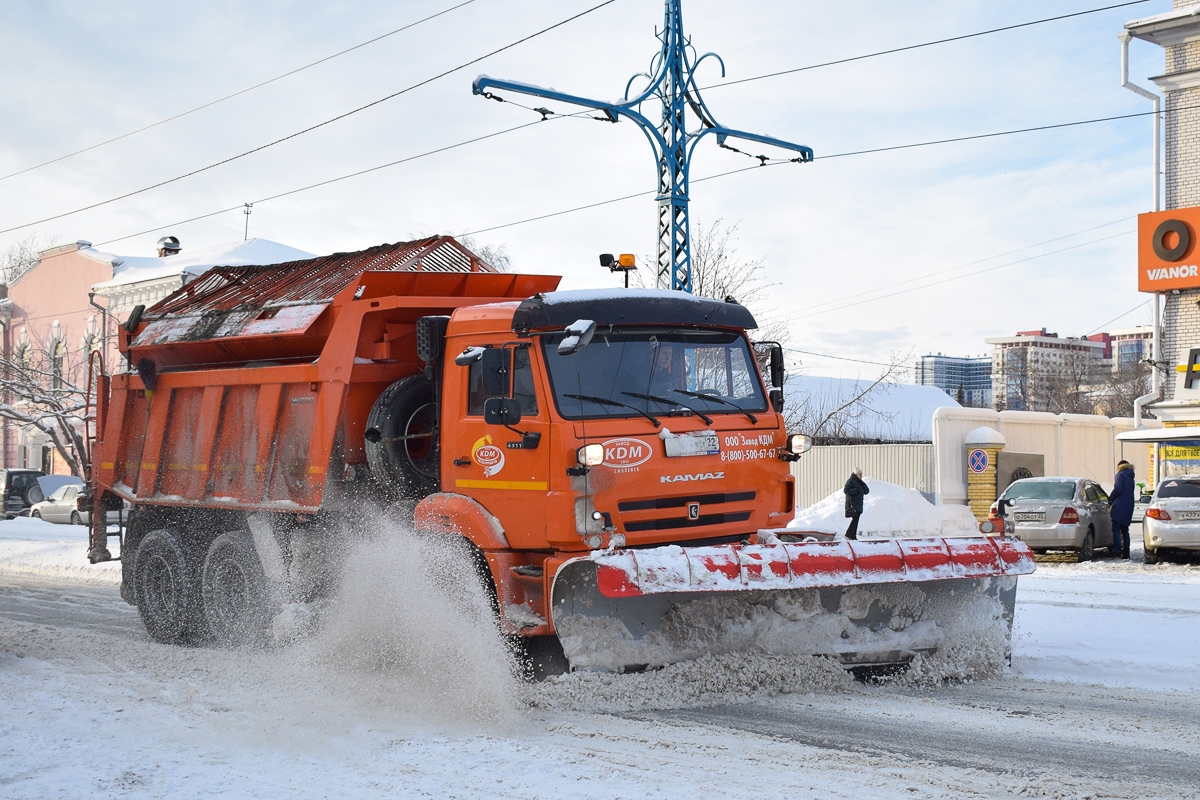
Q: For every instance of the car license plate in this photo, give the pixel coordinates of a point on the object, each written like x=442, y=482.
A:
x=1030, y=516
x=1189, y=514
x=704, y=444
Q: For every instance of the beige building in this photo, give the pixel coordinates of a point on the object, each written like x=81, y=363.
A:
x=1031, y=369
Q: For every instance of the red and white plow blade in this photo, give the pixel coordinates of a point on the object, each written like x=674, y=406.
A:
x=862, y=603
x=725, y=568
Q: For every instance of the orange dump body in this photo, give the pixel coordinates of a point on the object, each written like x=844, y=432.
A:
x=253, y=407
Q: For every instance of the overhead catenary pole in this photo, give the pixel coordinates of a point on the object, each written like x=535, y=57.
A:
x=672, y=79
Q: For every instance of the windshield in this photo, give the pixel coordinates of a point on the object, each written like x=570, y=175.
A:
x=1041, y=490
x=1178, y=488
x=674, y=366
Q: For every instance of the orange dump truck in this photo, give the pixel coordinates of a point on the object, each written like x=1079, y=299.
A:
x=614, y=461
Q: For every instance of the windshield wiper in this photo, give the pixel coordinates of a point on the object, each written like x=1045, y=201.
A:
x=753, y=419
x=591, y=398
x=668, y=401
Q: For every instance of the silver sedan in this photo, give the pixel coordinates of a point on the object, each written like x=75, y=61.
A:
x=1173, y=518
x=1060, y=514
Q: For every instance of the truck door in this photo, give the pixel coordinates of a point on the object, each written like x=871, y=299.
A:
x=504, y=468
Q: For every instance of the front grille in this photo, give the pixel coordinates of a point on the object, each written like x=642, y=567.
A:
x=680, y=502
x=683, y=522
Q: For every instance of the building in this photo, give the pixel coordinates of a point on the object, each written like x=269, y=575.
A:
x=967, y=380
x=69, y=305
x=1039, y=371
x=1132, y=346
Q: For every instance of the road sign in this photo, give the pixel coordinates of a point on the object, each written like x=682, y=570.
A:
x=978, y=460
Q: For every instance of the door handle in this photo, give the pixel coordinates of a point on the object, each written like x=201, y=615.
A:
x=462, y=462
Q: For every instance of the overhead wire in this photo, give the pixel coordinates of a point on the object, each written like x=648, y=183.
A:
x=923, y=44
x=258, y=85
x=311, y=128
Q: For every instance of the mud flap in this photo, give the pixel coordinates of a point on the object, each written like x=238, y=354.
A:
x=607, y=620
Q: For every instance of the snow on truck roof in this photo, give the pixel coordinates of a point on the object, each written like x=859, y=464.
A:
x=628, y=307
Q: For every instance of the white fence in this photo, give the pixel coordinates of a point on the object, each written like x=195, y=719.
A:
x=823, y=470
x=1079, y=445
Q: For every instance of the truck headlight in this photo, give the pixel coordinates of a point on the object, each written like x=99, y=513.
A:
x=590, y=455
x=798, y=443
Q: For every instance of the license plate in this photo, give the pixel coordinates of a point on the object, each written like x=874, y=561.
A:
x=1030, y=516
x=705, y=444
x=1189, y=514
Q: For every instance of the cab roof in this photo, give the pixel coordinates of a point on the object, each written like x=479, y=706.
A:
x=628, y=307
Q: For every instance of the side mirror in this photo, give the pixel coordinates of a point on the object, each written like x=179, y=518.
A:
x=502, y=411
x=777, y=376
x=579, y=333
x=497, y=366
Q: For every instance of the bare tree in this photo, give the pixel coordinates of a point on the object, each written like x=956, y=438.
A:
x=22, y=256
x=719, y=271
x=1116, y=393
x=833, y=418
x=494, y=254
x=1066, y=386
x=42, y=390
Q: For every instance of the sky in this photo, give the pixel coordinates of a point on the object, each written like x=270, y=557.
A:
x=1033, y=230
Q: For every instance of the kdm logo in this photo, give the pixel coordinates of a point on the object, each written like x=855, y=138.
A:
x=699, y=476
x=626, y=452
x=488, y=456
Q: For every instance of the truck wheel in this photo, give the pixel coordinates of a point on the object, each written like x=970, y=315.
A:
x=165, y=590
x=1088, y=551
x=403, y=424
x=234, y=591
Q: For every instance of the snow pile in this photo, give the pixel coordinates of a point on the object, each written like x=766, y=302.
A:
x=34, y=547
x=889, y=512
x=706, y=681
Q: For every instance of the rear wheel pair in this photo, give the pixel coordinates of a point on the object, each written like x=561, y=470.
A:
x=185, y=598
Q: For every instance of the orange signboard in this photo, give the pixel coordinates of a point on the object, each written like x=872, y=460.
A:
x=1169, y=250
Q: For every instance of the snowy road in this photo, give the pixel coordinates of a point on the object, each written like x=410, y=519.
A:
x=1006, y=727
x=1101, y=702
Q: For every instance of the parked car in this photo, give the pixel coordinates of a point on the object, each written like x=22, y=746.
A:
x=1172, y=521
x=63, y=506
x=20, y=490
x=1060, y=514
x=1139, y=507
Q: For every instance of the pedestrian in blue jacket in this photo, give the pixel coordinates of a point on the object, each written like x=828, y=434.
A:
x=1121, y=504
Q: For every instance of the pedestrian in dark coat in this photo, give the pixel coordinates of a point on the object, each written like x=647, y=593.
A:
x=1121, y=505
x=855, y=488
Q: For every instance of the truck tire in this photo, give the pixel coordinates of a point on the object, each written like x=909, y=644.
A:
x=234, y=591
x=166, y=589
x=404, y=457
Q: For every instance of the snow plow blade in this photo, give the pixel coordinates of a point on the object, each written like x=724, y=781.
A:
x=865, y=603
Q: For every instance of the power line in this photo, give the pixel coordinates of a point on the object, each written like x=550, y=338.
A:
x=898, y=365
x=1114, y=319
x=237, y=93
x=924, y=44
x=968, y=275
x=319, y=124
x=886, y=287
x=635, y=194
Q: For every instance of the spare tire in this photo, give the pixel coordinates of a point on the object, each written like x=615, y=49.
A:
x=33, y=494
x=401, y=439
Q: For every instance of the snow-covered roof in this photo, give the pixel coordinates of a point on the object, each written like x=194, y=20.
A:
x=891, y=412
x=136, y=269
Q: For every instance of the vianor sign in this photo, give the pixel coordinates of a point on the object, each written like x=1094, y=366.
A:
x=1167, y=250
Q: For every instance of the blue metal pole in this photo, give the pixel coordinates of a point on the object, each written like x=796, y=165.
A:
x=672, y=80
